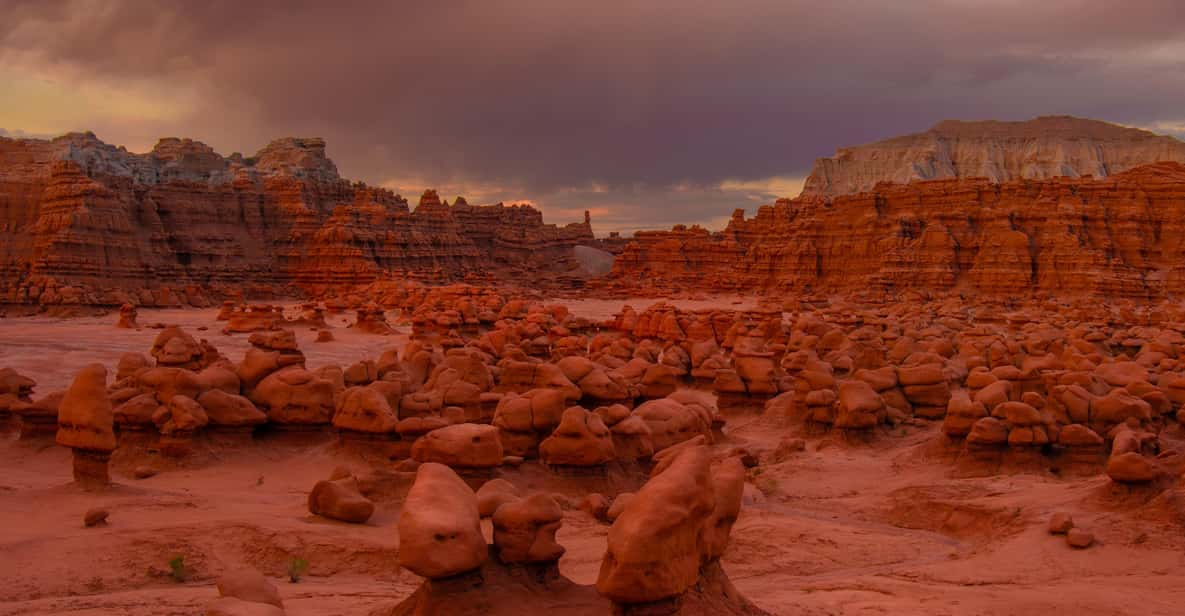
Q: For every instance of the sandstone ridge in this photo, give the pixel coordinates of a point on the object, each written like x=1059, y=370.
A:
x=1041, y=148
x=85, y=222
x=1118, y=236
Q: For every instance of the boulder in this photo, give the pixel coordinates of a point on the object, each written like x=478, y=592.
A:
x=365, y=409
x=524, y=530
x=581, y=439
x=463, y=445
x=230, y=410
x=440, y=527
x=340, y=499
x=654, y=547
x=493, y=494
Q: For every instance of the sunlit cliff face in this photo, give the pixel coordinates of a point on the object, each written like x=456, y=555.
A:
x=654, y=113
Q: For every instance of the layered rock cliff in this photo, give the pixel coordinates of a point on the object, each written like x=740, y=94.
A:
x=1045, y=147
x=86, y=222
x=1122, y=235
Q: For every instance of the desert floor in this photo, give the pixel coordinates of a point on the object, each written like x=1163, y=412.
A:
x=889, y=527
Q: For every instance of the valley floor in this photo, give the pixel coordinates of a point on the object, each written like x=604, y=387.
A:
x=839, y=529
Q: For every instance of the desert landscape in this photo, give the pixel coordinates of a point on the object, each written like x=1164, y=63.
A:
x=944, y=376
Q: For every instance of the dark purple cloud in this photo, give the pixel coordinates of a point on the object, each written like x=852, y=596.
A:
x=633, y=97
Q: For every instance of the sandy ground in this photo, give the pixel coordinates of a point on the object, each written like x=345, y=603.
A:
x=871, y=529
x=881, y=528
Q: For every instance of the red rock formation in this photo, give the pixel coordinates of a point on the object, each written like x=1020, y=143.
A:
x=86, y=223
x=1117, y=236
x=1045, y=147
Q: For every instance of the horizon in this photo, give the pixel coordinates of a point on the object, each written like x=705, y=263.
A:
x=793, y=187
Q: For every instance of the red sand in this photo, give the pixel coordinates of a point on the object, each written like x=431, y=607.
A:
x=871, y=529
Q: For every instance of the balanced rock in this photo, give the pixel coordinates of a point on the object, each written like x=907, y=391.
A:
x=86, y=425
x=493, y=494
x=654, y=549
x=581, y=439
x=524, y=530
x=440, y=527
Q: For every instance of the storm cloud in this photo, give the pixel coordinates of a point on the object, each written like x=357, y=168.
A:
x=647, y=113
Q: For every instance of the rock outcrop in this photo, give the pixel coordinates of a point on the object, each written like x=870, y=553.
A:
x=84, y=222
x=1041, y=148
x=1118, y=236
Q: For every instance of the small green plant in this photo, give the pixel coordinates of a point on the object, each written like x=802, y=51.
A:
x=177, y=568
x=296, y=568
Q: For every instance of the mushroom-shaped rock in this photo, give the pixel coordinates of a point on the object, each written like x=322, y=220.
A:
x=493, y=494
x=961, y=414
x=581, y=439
x=524, y=530
x=440, y=528
x=365, y=409
x=671, y=422
x=859, y=406
x=295, y=396
x=127, y=317
x=86, y=425
x=632, y=439
x=464, y=445
x=654, y=547
x=758, y=373
x=174, y=347
x=657, y=381
x=522, y=418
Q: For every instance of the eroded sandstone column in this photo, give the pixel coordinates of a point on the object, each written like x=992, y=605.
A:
x=85, y=424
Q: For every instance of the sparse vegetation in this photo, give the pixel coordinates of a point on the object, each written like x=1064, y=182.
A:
x=296, y=568
x=177, y=568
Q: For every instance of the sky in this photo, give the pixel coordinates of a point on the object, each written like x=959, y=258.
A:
x=647, y=113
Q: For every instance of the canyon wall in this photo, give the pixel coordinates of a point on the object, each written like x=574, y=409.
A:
x=1119, y=236
x=1042, y=148
x=82, y=221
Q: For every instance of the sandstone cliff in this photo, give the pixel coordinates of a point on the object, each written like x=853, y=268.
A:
x=82, y=221
x=1042, y=148
x=1121, y=235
